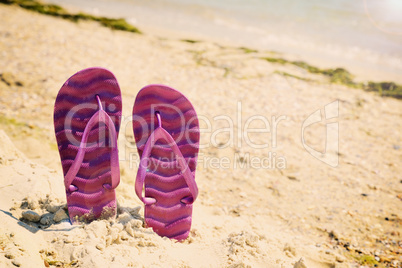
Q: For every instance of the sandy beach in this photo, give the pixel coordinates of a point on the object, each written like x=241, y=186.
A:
x=276, y=206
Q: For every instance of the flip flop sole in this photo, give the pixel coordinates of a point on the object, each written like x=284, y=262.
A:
x=75, y=104
x=164, y=181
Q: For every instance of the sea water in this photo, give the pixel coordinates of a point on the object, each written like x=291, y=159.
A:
x=344, y=33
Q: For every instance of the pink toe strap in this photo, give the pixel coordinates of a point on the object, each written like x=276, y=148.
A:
x=99, y=116
x=157, y=134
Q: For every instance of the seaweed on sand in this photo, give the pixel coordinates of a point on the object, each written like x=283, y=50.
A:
x=58, y=11
x=344, y=77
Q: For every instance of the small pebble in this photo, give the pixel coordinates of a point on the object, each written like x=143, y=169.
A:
x=30, y=215
x=9, y=255
x=16, y=262
x=46, y=219
x=52, y=208
x=100, y=247
x=60, y=215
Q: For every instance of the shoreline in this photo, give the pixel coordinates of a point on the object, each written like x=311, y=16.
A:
x=336, y=75
x=321, y=49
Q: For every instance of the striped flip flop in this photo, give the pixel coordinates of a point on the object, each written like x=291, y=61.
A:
x=167, y=136
x=87, y=116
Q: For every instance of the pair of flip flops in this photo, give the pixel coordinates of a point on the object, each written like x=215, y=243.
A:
x=87, y=116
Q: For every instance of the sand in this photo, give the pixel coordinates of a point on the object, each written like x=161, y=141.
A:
x=289, y=210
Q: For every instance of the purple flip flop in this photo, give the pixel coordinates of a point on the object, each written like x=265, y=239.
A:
x=167, y=136
x=87, y=116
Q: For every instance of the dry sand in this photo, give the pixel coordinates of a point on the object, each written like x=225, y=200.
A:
x=303, y=214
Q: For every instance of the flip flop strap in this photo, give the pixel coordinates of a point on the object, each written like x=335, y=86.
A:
x=157, y=134
x=99, y=116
